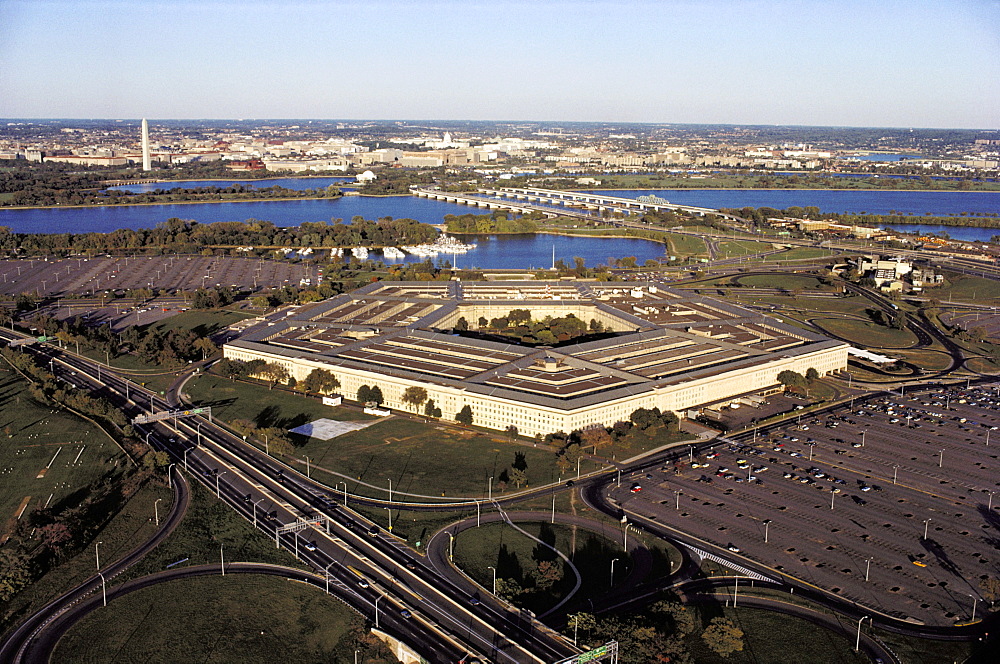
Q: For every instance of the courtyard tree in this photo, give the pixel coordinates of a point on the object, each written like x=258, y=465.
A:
x=275, y=373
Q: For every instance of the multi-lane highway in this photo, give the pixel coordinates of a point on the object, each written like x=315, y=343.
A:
x=371, y=570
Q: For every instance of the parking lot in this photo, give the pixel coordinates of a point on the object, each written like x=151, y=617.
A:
x=82, y=276
x=844, y=500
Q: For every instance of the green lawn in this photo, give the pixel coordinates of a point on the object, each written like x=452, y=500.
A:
x=844, y=305
x=134, y=523
x=686, y=245
x=429, y=458
x=516, y=557
x=732, y=248
x=801, y=253
x=867, y=333
x=237, y=618
x=967, y=289
x=203, y=323
x=32, y=434
x=789, y=282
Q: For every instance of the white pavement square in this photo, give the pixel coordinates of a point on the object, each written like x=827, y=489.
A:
x=325, y=429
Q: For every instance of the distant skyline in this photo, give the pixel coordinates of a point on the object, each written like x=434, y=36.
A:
x=784, y=62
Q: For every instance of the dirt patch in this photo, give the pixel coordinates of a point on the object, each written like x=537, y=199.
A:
x=41, y=473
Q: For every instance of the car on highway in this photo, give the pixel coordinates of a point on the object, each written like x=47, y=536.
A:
x=406, y=613
x=310, y=546
x=732, y=547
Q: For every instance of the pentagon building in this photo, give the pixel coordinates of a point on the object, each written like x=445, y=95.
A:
x=670, y=349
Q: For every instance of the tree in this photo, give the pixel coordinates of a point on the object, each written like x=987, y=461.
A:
x=320, y=381
x=206, y=346
x=461, y=324
x=518, y=477
x=157, y=459
x=364, y=394
x=547, y=574
x=790, y=378
x=464, y=416
x=508, y=589
x=581, y=622
x=644, y=418
x=723, y=637
x=991, y=588
x=811, y=374
x=375, y=395
x=511, y=431
x=414, y=396
x=276, y=373
x=15, y=573
x=429, y=408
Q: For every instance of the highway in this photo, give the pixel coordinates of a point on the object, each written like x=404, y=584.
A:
x=335, y=539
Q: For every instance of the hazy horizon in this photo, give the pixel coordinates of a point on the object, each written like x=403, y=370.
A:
x=832, y=63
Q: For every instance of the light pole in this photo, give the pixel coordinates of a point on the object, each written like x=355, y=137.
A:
x=868, y=566
x=218, y=493
x=613, y=561
x=97, y=554
x=156, y=511
x=186, y=458
x=926, y=522
x=104, y=590
x=255, y=512
x=895, y=470
x=863, y=437
x=222, y=558
x=310, y=477
x=328, y=581
x=677, y=499
x=833, y=495
x=989, y=505
x=974, y=600
x=767, y=522
x=451, y=546
x=345, y=492
x=857, y=643
x=940, y=458
x=576, y=619
x=494, y=578
x=491, y=488
x=170, y=478
x=376, y=609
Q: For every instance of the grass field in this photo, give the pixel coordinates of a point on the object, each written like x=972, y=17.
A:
x=686, y=245
x=422, y=458
x=239, y=618
x=47, y=456
x=965, y=288
x=801, y=253
x=516, y=557
x=844, y=305
x=867, y=333
x=789, y=282
x=730, y=248
x=208, y=525
x=202, y=323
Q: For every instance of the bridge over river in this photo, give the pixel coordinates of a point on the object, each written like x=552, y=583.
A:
x=556, y=203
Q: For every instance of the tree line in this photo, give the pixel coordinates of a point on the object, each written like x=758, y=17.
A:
x=187, y=236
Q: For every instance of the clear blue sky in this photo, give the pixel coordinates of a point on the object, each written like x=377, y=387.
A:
x=823, y=62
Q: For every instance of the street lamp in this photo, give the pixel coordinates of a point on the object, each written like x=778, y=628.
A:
x=218, y=493
x=97, y=554
x=863, y=437
x=494, y=578
x=613, y=561
x=104, y=590
x=974, y=600
x=328, y=578
x=156, y=511
x=255, y=512
x=222, y=558
x=940, y=458
x=926, y=522
x=868, y=566
x=376, y=609
x=833, y=494
x=186, y=458
x=767, y=522
x=857, y=643
x=491, y=488
x=307, y=468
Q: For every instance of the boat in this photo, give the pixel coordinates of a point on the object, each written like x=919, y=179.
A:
x=360, y=253
x=392, y=252
x=444, y=244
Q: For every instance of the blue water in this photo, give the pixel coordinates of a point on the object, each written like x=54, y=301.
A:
x=298, y=184
x=535, y=251
x=967, y=233
x=941, y=203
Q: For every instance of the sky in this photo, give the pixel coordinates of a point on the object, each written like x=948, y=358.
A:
x=911, y=63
